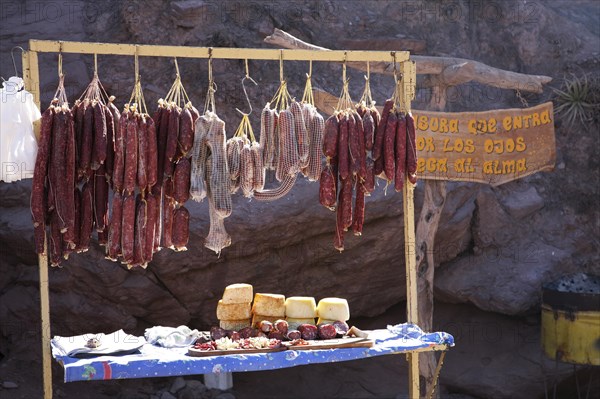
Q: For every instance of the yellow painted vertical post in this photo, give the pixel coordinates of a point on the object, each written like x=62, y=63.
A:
x=31, y=76
x=409, y=78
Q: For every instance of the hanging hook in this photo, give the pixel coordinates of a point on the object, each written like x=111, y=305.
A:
x=344, y=67
x=309, y=74
x=13, y=58
x=368, y=76
x=245, y=92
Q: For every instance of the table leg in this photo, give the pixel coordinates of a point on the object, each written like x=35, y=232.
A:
x=222, y=381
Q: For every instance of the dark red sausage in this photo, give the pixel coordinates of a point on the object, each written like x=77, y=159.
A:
x=362, y=152
x=181, y=228
x=400, y=160
x=39, y=236
x=181, y=180
x=338, y=239
x=411, y=149
x=353, y=145
x=58, y=166
x=131, y=155
x=38, y=186
x=343, y=150
x=110, y=143
x=148, y=248
x=330, y=136
x=55, y=244
x=87, y=140
x=326, y=331
x=140, y=232
x=369, y=183
x=142, y=164
x=103, y=238
x=172, y=135
x=114, y=230
x=100, y=141
x=369, y=130
x=77, y=226
x=347, y=203
x=78, y=114
x=186, y=132
x=389, y=146
x=380, y=132
x=378, y=168
x=157, y=217
x=167, y=226
x=69, y=177
x=358, y=219
x=100, y=199
x=161, y=142
x=327, y=193
x=152, y=154
x=128, y=228
x=87, y=216
x=120, y=155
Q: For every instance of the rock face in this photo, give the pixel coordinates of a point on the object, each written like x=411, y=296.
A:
x=495, y=247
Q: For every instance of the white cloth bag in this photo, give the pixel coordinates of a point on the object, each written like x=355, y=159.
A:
x=18, y=145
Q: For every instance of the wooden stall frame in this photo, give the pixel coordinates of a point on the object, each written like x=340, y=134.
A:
x=407, y=68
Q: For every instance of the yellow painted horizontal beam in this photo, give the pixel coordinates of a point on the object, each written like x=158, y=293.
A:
x=146, y=50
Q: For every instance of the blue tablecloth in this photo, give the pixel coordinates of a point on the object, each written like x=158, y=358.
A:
x=154, y=361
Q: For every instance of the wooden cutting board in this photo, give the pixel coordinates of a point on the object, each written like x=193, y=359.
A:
x=334, y=344
x=201, y=353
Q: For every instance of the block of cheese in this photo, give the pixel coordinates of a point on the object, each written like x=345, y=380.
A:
x=269, y=305
x=333, y=309
x=234, y=325
x=238, y=293
x=233, y=311
x=300, y=307
x=257, y=318
x=293, y=323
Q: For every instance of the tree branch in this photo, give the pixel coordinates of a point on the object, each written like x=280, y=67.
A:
x=451, y=71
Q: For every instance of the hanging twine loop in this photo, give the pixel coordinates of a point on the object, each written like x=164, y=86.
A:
x=307, y=96
x=136, y=101
x=209, y=104
x=177, y=95
x=60, y=96
x=345, y=101
x=282, y=97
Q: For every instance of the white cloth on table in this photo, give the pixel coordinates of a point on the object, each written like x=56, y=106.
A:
x=118, y=341
x=171, y=337
x=18, y=145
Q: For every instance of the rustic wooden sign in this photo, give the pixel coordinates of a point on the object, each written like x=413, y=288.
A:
x=492, y=147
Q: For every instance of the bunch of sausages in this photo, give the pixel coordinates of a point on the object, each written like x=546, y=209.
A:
x=175, y=142
x=73, y=170
x=394, y=150
x=347, y=145
x=54, y=198
x=359, y=144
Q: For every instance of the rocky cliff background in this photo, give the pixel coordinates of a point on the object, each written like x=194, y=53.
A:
x=495, y=247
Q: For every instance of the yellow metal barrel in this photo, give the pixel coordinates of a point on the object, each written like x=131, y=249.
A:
x=571, y=320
